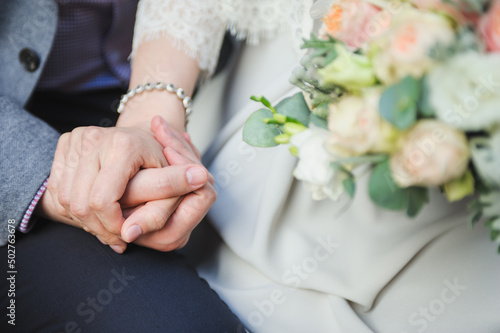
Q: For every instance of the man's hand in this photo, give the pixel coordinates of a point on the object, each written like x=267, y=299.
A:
x=91, y=169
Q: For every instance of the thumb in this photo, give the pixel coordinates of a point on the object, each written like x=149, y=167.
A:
x=161, y=183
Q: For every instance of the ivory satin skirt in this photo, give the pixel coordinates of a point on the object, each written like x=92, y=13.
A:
x=287, y=263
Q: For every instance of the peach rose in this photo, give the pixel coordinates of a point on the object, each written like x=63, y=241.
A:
x=432, y=153
x=404, y=49
x=489, y=25
x=354, y=22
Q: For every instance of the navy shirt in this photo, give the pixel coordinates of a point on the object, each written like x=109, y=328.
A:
x=91, y=46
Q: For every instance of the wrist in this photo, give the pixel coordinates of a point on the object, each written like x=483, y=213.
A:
x=46, y=209
x=142, y=103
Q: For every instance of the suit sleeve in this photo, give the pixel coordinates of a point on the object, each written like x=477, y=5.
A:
x=27, y=146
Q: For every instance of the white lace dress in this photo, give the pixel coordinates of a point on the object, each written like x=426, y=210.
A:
x=287, y=263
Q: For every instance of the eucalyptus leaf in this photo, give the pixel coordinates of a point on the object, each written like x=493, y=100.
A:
x=398, y=103
x=364, y=159
x=295, y=107
x=259, y=134
x=424, y=106
x=340, y=168
x=474, y=218
x=419, y=196
x=349, y=186
x=384, y=191
x=318, y=121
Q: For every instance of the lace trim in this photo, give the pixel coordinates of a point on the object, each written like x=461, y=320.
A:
x=197, y=26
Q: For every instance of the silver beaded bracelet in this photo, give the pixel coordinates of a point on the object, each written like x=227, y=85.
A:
x=186, y=100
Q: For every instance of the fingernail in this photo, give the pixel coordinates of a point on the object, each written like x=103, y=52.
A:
x=133, y=233
x=196, y=176
x=117, y=248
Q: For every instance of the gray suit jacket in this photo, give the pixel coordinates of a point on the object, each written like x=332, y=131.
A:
x=27, y=144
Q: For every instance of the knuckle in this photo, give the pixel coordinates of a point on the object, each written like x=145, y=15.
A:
x=165, y=183
x=109, y=238
x=157, y=219
x=72, y=159
x=122, y=140
x=91, y=138
x=79, y=209
x=98, y=202
x=64, y=138
x=64, y=199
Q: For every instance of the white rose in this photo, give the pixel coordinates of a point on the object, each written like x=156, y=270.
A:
x=314, y=167
x=404, y=48
x=432, y=153
x=465, y=91
x=357, y=128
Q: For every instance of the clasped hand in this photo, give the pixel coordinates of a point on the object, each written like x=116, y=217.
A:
x=122, y=185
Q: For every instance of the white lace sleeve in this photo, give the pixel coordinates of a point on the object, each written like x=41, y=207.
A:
x=198, y=26
x=192, y=25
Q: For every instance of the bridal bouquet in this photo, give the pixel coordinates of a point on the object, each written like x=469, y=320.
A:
x=410, y=89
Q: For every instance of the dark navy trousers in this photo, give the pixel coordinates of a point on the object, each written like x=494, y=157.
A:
x=67, y=281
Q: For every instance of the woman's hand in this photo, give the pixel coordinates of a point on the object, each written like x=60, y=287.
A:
x=176, y=226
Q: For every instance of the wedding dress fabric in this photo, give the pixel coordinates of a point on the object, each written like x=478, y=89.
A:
x=288, y=263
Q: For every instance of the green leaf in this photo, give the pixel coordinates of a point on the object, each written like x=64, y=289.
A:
x=318, y=121
x=419, y=196
x=474, y=218
x=317, y=43
x=349, y=186
x=424, y=107
x=295, y=107
x=398, y=103
x=494, y=235
x=340, y=168
x=259, y=134
x=364, y=159
x=387, y=194
x=384, y=191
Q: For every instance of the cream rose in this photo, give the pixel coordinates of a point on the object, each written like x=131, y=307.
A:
x=405, y=47
x=489, y=26
x=356, y=127
x=432, y=153
x=314, y=166
x=465, y=91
